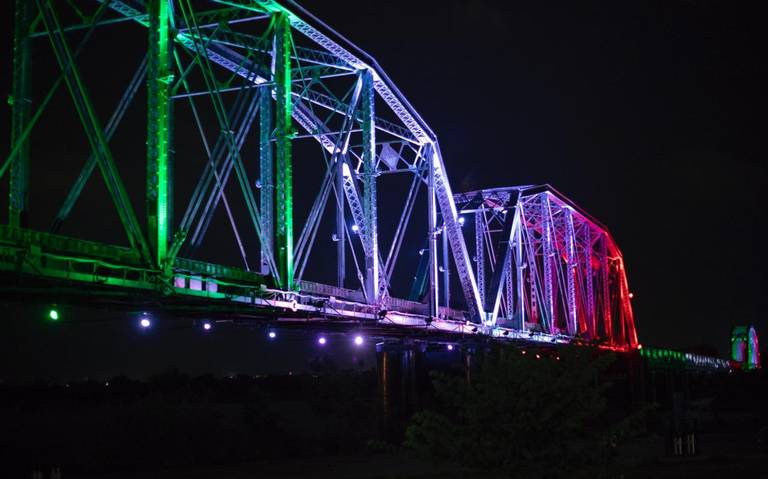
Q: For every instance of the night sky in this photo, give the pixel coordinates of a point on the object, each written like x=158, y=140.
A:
x=649, y=115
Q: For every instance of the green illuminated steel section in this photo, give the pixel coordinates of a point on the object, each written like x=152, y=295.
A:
x=92, y=128
x=284, y=133
x=267, y=174
x=20, y=107
x=159, y=79
x=670, y=359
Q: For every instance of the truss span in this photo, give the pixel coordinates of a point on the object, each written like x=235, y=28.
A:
x=252, y=79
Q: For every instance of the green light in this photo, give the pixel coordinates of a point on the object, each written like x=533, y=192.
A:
x=53, y=315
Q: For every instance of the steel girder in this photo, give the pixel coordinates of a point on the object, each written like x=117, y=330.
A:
x=569, y=276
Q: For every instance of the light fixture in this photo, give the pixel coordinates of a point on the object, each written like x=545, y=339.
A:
x=461, y=221
x=272, y=335
x=207, y=326
x=321, y=340
x=145, y=322
x=53, y=314
x=355, y=228
x=358, y=340
x=450, y=347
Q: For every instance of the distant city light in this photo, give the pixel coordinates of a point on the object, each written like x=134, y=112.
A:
x=207, y=326
x=53, y=315
x=631, y=295
x=355, y=228
x=450, y=347
x=272, y=335
x=321, y=340
x=145, y=323
x=358, y=340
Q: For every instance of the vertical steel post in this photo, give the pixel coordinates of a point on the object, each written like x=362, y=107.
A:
x=570, y=244
x=432, y=231
x=548, y=254
x=267, y=179
x=159, y=78
x=480, y=252
x=509, y=284
x=341, y=226
x=284, y=134
x=20, y=108
x=520, y=265
x=589, y=282
x=446, y=271
x=370, y=215
x=606, y=289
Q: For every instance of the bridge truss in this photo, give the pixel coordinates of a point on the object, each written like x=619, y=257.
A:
x=542, y=264
x=261, y=81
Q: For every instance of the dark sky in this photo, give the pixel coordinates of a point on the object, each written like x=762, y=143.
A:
x=647, y=114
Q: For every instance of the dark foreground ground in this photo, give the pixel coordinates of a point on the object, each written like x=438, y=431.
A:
x=728, y=455
x=174, y=426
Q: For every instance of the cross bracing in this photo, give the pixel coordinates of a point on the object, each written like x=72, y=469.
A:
x=258, y=81
x=553, y=268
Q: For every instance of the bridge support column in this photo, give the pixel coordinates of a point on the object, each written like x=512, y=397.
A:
x=284, y=133
x=159, y=77
x=20, y=107
x=400, y=369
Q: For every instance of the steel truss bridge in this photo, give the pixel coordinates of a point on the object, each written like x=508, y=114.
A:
x=274, y=78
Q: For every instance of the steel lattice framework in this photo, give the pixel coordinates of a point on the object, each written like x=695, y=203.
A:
x=272, y=72
x=545, y=265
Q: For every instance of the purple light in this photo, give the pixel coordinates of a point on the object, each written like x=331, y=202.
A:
x=321, y=340
x=358, y=340
x=207, y=326
x=272, y=335
x=145, y=323
x=450, y=347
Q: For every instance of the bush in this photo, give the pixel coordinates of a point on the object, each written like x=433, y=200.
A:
x=529, y=417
